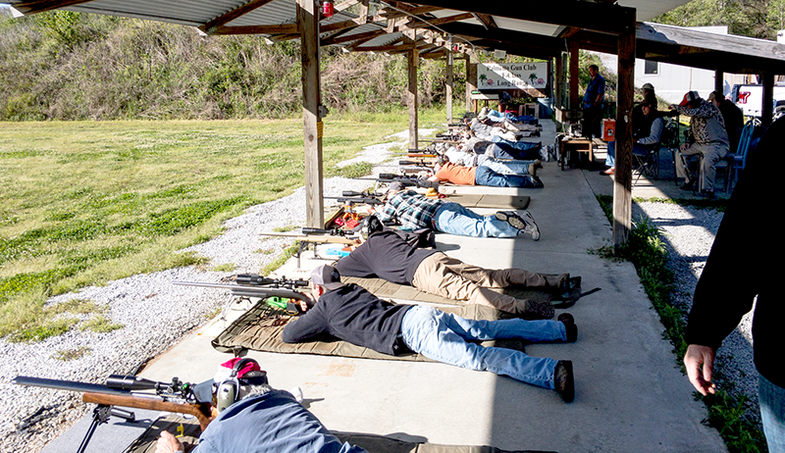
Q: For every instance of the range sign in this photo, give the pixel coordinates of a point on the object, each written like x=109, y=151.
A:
x=505, y=76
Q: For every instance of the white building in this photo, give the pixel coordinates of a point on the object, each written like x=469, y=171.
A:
x=672, y=81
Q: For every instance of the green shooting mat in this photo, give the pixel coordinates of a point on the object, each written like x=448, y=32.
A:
x=260, y=329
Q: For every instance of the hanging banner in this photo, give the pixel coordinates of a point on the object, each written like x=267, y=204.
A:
x=507, y=76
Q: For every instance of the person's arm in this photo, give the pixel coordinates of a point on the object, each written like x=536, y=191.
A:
x=655, y=134
x=306, y=326
x=387, y=214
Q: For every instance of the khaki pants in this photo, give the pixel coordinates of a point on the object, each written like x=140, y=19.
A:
x=710, y=154
x=451, y=278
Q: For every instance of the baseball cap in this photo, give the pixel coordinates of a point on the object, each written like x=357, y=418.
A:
x=647, y=86
x=690, y=97
x=326, y=276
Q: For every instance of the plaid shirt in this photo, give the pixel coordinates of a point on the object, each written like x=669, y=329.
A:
x=411, y=210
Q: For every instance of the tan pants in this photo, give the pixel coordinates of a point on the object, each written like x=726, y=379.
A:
x=451, y=278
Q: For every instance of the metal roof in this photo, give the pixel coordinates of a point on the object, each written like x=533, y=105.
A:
x=538, y=30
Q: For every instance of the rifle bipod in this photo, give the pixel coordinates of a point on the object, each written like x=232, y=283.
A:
x=101, y=415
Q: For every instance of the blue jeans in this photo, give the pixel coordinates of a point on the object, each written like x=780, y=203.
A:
x=610, y=160
x=506, y=167
x=455, y=219
x=484, y=176
x=772, y=411
x=443, y=337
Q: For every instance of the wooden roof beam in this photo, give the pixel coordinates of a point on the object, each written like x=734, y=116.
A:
x=213, y=25
x=39, y=6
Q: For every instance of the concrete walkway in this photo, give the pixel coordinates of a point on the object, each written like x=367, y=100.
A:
x=630, y=393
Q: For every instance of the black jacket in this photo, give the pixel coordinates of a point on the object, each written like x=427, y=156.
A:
x=385, y=255
x=352, y=314
x=744, y=262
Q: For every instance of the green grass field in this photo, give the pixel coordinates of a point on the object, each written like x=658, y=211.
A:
x=84, y=203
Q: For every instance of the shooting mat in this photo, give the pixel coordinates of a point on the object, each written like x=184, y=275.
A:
x=493, y=201
x=260, y=328
x=372, y=443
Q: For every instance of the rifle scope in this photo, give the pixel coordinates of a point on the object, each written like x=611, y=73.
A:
x=132, y=383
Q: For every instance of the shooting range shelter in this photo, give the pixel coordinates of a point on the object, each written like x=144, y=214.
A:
x=553, y=31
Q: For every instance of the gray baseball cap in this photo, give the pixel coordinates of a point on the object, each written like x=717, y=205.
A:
x=395, y=185
x=326, y=276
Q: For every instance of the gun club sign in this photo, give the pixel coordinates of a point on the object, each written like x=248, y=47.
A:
x=505, y=76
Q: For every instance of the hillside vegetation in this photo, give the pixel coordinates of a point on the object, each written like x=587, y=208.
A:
x=70, y=66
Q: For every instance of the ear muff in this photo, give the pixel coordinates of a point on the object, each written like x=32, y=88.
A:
x=229, y=390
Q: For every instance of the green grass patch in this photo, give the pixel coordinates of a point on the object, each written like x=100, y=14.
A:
x=287, y=253
x=87, y=202
x=646, y=250
x=66, y=355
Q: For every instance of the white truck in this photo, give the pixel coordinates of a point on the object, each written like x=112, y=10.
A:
x=749, y=98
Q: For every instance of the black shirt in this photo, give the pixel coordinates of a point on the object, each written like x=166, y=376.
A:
x=385, y=255
x=352, y=314
x=744, y=262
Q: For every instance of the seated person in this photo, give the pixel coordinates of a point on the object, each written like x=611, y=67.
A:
x=261, y=419
x=647, y=137
x=352, y=314
x=483, y=175
x=385, y=254
x=414, y=211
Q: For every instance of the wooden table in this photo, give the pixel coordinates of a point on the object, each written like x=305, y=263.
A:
x=577, y=144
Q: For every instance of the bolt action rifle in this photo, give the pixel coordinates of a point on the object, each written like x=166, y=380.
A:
x=277, y=292
x=135, y=392
x=407, y=181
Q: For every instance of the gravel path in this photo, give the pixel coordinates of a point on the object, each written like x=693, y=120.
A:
x=151, y=309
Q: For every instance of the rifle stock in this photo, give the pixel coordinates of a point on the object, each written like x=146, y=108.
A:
x=201, y=411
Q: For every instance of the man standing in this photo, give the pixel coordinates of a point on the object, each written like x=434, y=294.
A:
x=739, y=275
x=351, y=313
x=414, y=211
x=592, y=103
x=707, y=139
x=385, y=254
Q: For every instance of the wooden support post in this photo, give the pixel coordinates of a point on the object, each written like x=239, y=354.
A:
x=622, y=187
x=719, y=81
x=471, y=82
x=308, y=22
x=767, y=109
x=448, y=85
x=574, y=95
x=411, y=96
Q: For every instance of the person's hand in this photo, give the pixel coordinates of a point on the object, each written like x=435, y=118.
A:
x=167, y=443
x=371, y=210
x=684, y=146
x=699, y=361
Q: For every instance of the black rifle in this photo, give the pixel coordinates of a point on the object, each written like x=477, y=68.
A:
x=273, y=290
x=131, y=391
x=357, y=200
x=407, y=181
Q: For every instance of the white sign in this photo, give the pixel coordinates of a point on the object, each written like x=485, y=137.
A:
x=507, y=76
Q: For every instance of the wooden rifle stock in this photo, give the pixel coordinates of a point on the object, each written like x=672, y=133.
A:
x=202, y=411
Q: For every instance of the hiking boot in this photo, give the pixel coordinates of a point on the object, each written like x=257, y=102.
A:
x=524, y=222
x=569, y=325
x=564, y=381
x=532, y=169
x=537, y=310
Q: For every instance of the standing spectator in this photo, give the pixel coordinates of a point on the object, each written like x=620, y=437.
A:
x=592, y=103
x=739, y=275
x=734, y=119
x=707, y=139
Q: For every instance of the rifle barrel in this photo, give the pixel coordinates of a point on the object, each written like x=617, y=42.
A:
x=250, y=291
x=73, y=386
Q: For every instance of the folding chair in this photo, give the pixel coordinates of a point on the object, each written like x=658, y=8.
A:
x=648, y=164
